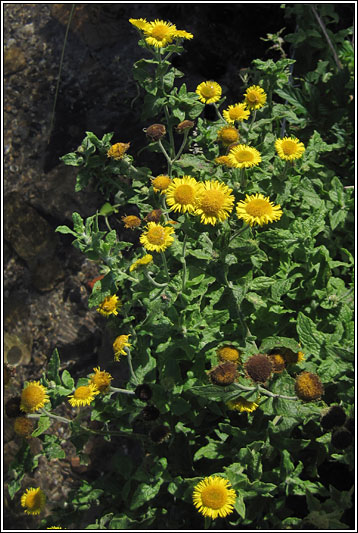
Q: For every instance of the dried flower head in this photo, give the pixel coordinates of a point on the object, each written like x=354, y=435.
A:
x=131, y=221
x=23, y=426
x=341, y=438
x=228, y=135
x=224, y=160
x=213, y=497
x=154, y=215
x=159, y=434
x=185, y=125
x=118, y=150
x=224, y=374
x=228, y=353
x=308, y=387
x=350, y=425
x=119, y=346
x=33, y=500
x=12, y=407
x=101, y=379
x=334, y=416
x=109, y=306
x=278, y=362
x=33, y=397
x=143, y=392
x=259, y=368
x=156, y=132
x=150, y=413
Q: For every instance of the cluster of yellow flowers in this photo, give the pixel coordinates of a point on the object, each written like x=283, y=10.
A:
x=159, y=33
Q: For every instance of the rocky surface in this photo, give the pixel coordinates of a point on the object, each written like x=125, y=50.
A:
x=45, y=278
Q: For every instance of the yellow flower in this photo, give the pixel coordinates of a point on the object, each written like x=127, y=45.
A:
x=119, y=346
x=118, y=150
x=224, y=160
x=23, y=426
x=159, y=33
x=308, y=387
x=143, y=261
x=33, y=500
x=228, y=135
x=257, y=209
x=236, y=113
x=182, y=34
x=109, y=306
x=101, y=379
x=242, y=405
x=141, y=24
x=33, y=397
x=182, y=194
x=56, y=527
x=83, y=395
x=209, y=92
x=255, y=97
x=244, y=156
x=228, y=353
x=131, y=221
x=213, y=497
x=215, y=203
x=157, y=238
x=161, y=183
x=289, y=148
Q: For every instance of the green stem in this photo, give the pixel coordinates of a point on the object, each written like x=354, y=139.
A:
x=243, y=178
x=155, y=283
x=218, y=113
x=130, y=365
x=57, y=417
x=184, y=263
x=237, y=233
x=265, y=392
x=166, y=157
x=165, y=265
x=207, y=522
x=123, y=391
x=186, y=133
x=251, y=123
x=116, y=433
x=164, y=207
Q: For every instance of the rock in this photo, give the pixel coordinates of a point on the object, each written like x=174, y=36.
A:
x=14, y=60
x=17, y=348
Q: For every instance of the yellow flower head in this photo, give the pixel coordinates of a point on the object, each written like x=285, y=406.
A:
x=289, y=148
x=56, y=527
x=141, y=24
x=33, y=397
x=215, y=203
x=236, y=113
x=161, y=183
x=255, y=97
x=131, y=221
x=23, y=426
x=83, y=395
x=109, y=306
x=228, y=353
x=209, y=92
x=157, y=238
x=224, y=160
x=101, y=379
x=182, y=34
x=182, y=194
x=118, y=150
x=257, y=209
x=242, y=405
x=213, y=497
x=244, y=156
x=33, y=500
x=159, y=33
x=228, y=135
x=119, y=346
x=143, y=261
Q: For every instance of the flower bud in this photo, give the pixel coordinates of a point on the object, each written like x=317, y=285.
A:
x=155, y=132
x=143, y=392
x=308, y=387
x=259, y=368
x=335, y=416
x=341, y=438
x=184, y=125
x=224, y=374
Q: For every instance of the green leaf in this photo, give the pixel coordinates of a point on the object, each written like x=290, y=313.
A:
x=15, y=485
x=43, y=424
x=73, y=159
x=53, y=366
x=208, y=451
x=65, y=229
x=311, y=339
x=78, y=225
x=67, y=380
x=144, y=493
x=52, y=448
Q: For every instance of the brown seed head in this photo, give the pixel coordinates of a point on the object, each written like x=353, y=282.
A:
x=184, y=125
x=154, y=216
x=335, y=416
x=159, y=434
x=23, y=426
x=341, y=438
x=278, y=363
x=223, y=374
x=12, y=407
x=259, y=368
x=155, y=132
x=308, y=387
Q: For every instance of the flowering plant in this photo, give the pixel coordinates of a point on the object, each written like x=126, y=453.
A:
x=231, y=311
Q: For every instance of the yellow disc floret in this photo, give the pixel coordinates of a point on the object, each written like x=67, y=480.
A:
x=244, y=156
x=228, y=353
x=209, y=92
x=308, y=387
x=131, y=221
x=83, y=395
x=161, y=183
x=213, y=497
x=242, y=405
x=182, y=194
x=255, y=97
x=289, y=148
x=33, y=397
x=215, y=203
x=101, y=379
x=228, y=135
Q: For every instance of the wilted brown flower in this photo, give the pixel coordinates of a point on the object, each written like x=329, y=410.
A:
x=334, y=416
x=184, y=125
x=159, y=434
x=155, y=132
x=223, y=374
x=278, y=363
x=308, y=387
x=259, y=368
x=154, y=216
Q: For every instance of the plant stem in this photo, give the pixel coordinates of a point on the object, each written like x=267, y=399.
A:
x=165, y=265
x=184, y=263
x=218, y=113
x=57, y=417
x=241, y=230
x=265, y=392
x=155, y=283
x=330, y=44
x=123, y=391
x=130, y=365
x=186, y=133
x=251, y=123
x=166, y=156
